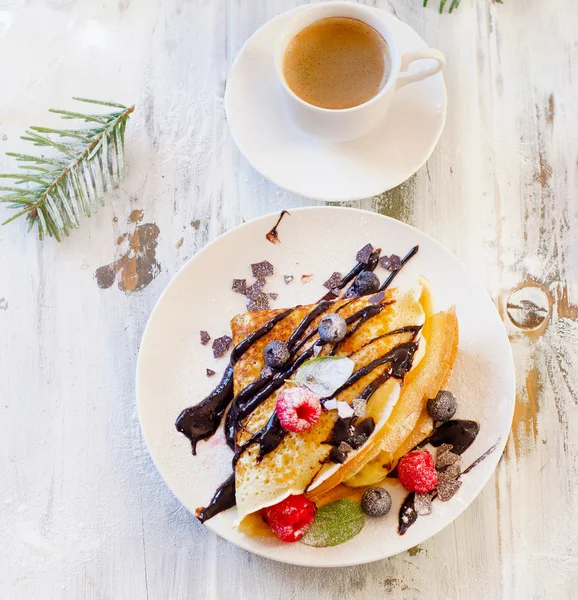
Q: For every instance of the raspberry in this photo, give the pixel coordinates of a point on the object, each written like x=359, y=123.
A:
x=298, y=409
x=417, y=473
x=290, y=518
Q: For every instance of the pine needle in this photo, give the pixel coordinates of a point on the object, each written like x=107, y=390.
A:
x=56, y=191
x=454, y=4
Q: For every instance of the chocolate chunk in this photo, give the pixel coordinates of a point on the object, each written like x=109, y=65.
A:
x=356, y=441
x=306, y=278
x=363, y=255
x=447, y=489
x=336, y=456
x=377, y=298
x=444, y=448
x=205, y=337
x=445, y=459
x=344, y=447
x=339, y=454
x=391, y=263
x=240, y=286
x=422, y=504
x=273, y=296
x=254, y=291
x=261, y=302
x=262, y=269
x=221, y=345
x=450, y=473
x=334, y=281
x=210, y=372
x=267, y=371
x=288, y=278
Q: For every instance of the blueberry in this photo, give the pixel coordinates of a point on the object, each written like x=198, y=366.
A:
x=443, y=407
x=365, y=283
x=332, y=328
x=376, y=502
x=276, y=354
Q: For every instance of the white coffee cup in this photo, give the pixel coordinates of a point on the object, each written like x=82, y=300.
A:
x=341, y=125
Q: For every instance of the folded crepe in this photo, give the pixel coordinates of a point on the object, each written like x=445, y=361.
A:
x=299, y=463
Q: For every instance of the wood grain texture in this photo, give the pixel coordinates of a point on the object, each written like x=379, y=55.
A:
x=84, y=512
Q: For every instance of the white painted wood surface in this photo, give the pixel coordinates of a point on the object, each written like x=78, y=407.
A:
x=84, y=514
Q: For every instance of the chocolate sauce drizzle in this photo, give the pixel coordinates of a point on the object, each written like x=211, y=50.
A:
x=361, y=316
x=247, y=400
x=304, y=325
x=223, y=499
x=268, y=438
x=271, y=435
x=202, y=420
x=400, y=361
x=273, y=235
x=404, y=261
x=407, y=514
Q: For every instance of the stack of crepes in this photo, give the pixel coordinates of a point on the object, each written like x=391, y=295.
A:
x=398, y=408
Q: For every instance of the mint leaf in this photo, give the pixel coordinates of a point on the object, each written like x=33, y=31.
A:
x=335, y=523
x=325, y=374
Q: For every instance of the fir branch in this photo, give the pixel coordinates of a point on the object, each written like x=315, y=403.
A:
x=57, y=190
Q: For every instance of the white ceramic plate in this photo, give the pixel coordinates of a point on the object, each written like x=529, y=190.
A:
x=172, y=362
x=330, y=172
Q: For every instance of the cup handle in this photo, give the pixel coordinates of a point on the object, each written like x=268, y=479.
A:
x=428, y=71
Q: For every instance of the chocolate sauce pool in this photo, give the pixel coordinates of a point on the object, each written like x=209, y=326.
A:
x=459, y=433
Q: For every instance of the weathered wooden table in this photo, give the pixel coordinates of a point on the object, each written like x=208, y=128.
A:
x=84, y=512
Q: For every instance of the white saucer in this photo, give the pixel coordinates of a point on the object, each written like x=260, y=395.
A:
x=319, y=240
x=330, y=172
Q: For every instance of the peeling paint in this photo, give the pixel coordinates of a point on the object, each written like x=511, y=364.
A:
x=564, y=308
x=179, y=243
x=544, y=171
x=525, y=423
x=550, y=110
x=415, y=550
x=136, y=216
x=392, y=584
x=3, y=304
x=138, y=266
x=397, y=202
